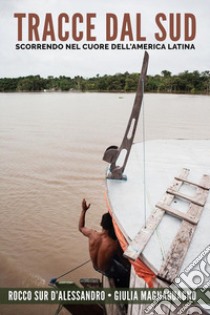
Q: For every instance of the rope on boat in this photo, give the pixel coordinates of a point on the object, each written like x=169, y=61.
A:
x=144, y=156
x=53, y=280
x=59, y=309
x=144, y=174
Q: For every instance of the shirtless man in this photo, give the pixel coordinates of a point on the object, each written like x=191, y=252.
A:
x=105, y=252
x=103, y=246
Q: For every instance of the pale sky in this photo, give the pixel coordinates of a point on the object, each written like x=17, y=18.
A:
x=87, y=63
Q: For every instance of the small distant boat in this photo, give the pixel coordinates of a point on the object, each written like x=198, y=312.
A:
x=158, y=196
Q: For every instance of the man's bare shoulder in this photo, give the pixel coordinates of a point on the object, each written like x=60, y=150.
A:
x=90, y=232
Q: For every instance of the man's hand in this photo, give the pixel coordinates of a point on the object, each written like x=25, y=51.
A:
x=82, y=228
x=85, y=207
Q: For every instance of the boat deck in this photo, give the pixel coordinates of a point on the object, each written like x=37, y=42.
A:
x=151, y=169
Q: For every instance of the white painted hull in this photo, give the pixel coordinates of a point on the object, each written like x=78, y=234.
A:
x=147, y=181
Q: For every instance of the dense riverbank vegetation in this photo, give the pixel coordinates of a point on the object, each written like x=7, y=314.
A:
x=185, y=82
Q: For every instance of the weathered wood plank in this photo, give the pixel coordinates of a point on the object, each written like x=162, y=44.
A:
x=177, y=252
x=205, y=183
x=141, y=239
x=178, y=214
x=199, y=199
x=181, y=243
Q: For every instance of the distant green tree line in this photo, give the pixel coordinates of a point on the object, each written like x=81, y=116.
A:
x=185, y=82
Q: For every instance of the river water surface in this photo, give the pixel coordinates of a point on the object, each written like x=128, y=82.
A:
x=51, y=148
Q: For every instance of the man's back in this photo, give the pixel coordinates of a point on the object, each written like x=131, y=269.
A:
x=102, y=249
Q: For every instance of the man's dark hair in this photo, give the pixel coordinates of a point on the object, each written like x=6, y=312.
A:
x=106, y=223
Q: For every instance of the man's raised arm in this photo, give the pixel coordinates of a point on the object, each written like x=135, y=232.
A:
x=84, y=230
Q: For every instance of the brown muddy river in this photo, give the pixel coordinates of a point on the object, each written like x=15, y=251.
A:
x=51, y=148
